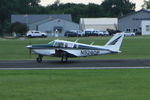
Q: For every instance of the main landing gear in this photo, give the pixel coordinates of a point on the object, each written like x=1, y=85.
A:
x=39, y=59
x=64, y=59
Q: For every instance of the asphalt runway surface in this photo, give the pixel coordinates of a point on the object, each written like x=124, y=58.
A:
x=79, y=64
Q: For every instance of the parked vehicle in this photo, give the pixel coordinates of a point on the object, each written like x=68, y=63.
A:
x=89, y=32
x=92, y=32
x=36, y=34
x=73, y=33
x=103, y=33
x=129, y=34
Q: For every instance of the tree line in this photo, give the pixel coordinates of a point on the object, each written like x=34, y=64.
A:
x=108, y=8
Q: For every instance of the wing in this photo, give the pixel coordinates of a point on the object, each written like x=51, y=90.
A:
x=63, y=52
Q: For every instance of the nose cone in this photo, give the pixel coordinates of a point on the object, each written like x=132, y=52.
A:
x=29, y=46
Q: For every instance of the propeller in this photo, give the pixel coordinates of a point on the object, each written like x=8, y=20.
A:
x=30, y=48
x=30, y=52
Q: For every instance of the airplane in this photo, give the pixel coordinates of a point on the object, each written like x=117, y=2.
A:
x=68, y=49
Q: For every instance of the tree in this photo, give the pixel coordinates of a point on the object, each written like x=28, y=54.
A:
x=19, y=28
x=9, y=7
x=146, y=4
x=117, y=8
x=94, y=10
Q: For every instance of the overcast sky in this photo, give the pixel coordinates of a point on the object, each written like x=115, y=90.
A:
x=46, y=2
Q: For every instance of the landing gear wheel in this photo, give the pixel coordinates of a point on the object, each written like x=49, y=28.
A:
x=64, y=59
x=39, y=59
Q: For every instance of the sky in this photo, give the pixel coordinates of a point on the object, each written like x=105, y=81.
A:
x=46, y=2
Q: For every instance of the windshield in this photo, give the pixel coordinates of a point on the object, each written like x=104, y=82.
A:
x=51, y=43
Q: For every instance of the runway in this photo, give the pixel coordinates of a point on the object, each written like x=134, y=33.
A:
x=76, y=64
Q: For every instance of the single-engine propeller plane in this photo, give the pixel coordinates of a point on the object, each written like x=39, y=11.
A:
x=67, y=49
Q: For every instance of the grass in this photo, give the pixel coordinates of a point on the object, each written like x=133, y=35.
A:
x=125, y=84
x=133, y=47
x=75, y=84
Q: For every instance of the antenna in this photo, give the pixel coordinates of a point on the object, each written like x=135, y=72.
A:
x=76, y=40
x=92, y=43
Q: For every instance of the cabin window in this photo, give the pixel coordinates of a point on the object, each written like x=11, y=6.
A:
x=76, y=46
x=66, y=45
x=59, y=44
x=70, y=45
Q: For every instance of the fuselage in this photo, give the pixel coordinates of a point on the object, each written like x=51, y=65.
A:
x=66, y=49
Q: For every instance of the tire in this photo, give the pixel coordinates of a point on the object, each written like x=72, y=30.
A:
x=39, y=59
x=44, y=36
x=29, y=36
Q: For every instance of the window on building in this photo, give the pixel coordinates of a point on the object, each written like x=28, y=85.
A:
x=147, y=27
x=135, y=30
x=128, y=30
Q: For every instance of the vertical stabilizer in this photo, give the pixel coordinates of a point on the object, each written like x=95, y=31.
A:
x=115, y=42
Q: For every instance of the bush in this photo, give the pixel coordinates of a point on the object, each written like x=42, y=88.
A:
x=19, y=28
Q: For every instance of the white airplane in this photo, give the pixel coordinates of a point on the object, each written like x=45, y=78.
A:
x=67, y=49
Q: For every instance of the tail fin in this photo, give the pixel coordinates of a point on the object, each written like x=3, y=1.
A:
x=115, y=42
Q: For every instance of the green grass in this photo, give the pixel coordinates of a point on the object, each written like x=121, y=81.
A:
x=133, y=47
x=75, y=84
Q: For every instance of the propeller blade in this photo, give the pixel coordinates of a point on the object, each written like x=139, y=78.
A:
x=30, y=52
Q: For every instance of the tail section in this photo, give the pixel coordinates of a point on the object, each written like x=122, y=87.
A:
x=115, y=42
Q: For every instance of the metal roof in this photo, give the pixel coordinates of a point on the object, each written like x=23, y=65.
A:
x=29, y=19
x=145, y=10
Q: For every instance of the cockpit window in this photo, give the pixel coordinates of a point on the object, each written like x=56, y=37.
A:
x=62, y=44
x=59, y=44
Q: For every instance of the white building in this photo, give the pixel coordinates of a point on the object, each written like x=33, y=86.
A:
x=98, y=23
x=145, y=27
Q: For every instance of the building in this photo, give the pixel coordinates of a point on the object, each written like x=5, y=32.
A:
x=133, y=21
x=54, y=25
x=99, y=23
x=145, y=27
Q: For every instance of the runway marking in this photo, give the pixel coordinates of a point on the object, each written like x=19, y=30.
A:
x=74, y=68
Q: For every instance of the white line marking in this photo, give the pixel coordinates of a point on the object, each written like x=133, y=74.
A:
x=76, y=68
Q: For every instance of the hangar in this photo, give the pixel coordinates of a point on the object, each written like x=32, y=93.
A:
x=99, y=23
x=137, y=22
x=54, y=25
